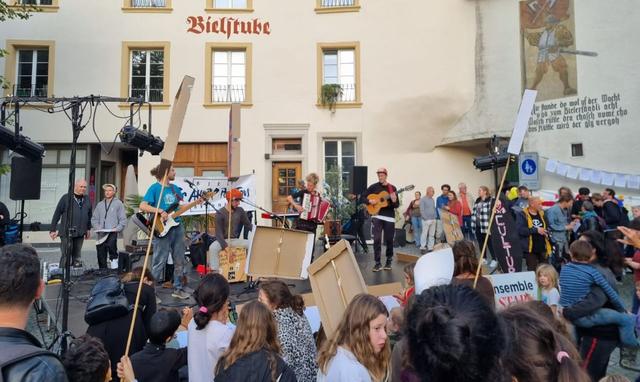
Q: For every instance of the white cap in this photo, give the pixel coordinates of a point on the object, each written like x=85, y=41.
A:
x=435, y=268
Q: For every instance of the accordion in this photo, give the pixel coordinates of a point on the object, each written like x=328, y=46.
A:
x=315, y=208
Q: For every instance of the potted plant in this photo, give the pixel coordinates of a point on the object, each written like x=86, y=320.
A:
x=330, y=94
x=341, y=207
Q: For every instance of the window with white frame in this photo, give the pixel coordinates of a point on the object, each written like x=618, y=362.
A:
x=339, y=67
x=340, y=155
x=229, y=76
x=229, y=4
x=33, y=72
x=148, y=3
x=146, y=77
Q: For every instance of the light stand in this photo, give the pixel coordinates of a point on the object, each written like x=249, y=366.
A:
x=77, y=106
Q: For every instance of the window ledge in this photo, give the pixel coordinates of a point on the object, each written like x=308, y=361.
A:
x=342, y=105
x=35, y=105
x=147, y=9
x=229, y=10
x=155, y=106
x=353, y=8
x=40, y=8
x=221, y=105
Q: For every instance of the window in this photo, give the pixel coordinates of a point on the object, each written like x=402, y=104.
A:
x=576, y=150
x=229, y=6
x=287, y=146
x=33, y=73
x=201, y=159
x=339, y=156
x=332, y=6
x=37, y=5
x=147, y=6
x=30, y=67
x=338, y=64
x=145, y=71
x=228, y=74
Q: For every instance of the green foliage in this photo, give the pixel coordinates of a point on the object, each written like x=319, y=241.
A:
x=5, y=169
x=341, y=207
x=132, y=203
x=195, y=222
x=12, y=12
x=330, y=94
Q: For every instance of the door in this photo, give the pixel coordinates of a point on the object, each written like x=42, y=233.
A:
x=285, y=176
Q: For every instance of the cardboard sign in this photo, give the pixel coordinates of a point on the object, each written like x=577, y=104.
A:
x=451, y=227
x=522, y=121
x=279, y=252
x=513, y=288
x=505, y=240
x=233, y=264
x=335, y=280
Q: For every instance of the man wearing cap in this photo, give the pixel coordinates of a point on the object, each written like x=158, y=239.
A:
x=239, y=220
x=108, y=219
x=385, y=219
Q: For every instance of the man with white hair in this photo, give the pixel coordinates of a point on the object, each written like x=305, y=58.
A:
x=108, y=219
x=80, y=225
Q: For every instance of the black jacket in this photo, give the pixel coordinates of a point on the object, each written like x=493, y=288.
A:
x=611, y=212
x=377, y=188
x=43, y=367
x=114, y=333
x=158, y=364
x=81, y=217
x=254, y=367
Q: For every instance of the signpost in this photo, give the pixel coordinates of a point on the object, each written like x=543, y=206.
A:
x=528, y=166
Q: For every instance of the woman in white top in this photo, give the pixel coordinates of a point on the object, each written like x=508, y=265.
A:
x=359, y=350
x=209, y=335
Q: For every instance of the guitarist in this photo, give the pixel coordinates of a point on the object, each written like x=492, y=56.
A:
x=239, y=220
x=385, y=219
x=173, y=242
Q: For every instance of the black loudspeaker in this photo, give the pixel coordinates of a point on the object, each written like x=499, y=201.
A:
x=25, y=178
x=358, y=180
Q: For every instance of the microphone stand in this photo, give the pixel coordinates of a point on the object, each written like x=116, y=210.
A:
x=272, y=215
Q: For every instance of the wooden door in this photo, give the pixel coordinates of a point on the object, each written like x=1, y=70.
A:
x=285, y=176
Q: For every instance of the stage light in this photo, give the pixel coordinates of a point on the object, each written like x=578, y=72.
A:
x=489, y=162
x=20, y=144
x=141, y=139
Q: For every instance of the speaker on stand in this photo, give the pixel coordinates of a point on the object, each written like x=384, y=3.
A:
x=25, y=183
x=358, y=186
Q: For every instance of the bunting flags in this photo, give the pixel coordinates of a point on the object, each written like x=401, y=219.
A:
x=611, y=179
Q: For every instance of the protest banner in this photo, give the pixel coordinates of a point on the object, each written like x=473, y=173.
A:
x=512, y=288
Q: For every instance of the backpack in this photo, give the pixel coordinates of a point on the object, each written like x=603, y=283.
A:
x=106, y=301
x=624, y=216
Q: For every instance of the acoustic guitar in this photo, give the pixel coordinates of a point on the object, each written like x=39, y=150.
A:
x=383, y=199
x=162, y=228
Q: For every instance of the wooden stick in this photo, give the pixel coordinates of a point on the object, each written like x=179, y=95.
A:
x=493, y=214
x=144, y=266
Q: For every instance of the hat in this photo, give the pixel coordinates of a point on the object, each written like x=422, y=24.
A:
x=104, y=186
x=233, y=194
x=433, y=269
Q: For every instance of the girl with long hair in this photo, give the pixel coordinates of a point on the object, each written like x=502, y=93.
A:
x=254, y=352
x=294, y=332
x=209, y=335
x=536, y=351
x=359, y=349
x=465, y=266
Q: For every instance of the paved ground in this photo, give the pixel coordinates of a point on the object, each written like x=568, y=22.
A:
x=82, y=286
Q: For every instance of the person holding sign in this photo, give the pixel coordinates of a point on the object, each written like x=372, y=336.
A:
x=239, y=220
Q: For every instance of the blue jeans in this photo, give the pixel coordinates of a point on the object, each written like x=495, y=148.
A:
x=626, y=324
x=172, y=243
x=416, y=223
x=466, y=228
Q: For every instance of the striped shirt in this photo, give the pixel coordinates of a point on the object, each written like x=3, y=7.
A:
x=576, y=280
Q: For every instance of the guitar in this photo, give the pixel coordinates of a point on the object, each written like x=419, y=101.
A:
x=383, y=199
x=162, y=228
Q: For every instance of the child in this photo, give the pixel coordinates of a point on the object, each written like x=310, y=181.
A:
x=155, y=362
x=86, y=360
x=547, y=278
x=409, y=283
x=359, y=349
x=394, y=325
x=254, y=351
x=576, y=280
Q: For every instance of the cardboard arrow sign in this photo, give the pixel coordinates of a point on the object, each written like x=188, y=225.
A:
x=175, y=123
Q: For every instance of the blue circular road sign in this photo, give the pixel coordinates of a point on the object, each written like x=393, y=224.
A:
x=529, y=166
